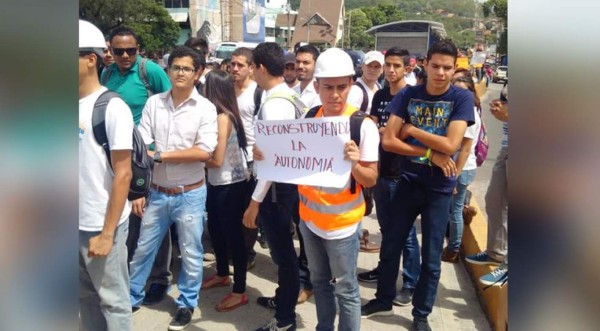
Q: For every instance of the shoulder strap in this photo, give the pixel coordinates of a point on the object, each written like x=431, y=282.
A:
x=106, y=76
x=356, y=120
x=365, y=102
x=293, y=98
x=312, y=112
x=99, y=121
x=257, y=99
x=144, y=76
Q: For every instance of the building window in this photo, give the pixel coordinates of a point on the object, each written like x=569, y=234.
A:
x=176, y=3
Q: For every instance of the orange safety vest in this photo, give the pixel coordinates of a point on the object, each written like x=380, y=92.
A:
x=331, y=208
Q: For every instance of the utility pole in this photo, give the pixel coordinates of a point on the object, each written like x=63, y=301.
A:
x=309, y=17
x=289, y=33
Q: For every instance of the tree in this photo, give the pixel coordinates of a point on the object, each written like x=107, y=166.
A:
x=355, y=36
x=498, y=8
x=148, y=18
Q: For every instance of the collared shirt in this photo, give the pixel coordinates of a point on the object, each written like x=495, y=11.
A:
x=309, y=96
x=131, y=88
x=192, y=124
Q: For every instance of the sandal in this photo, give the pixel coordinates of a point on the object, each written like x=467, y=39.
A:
x=243, y=301
x=212, y=282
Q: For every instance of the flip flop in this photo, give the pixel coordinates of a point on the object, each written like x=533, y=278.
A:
x=224, y=282
x=243, y=301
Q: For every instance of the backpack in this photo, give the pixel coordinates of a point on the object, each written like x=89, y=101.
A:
x=141, y=71
x=365, y=101
x=293, y=98
x=482, y=145
x=356, y=120
x=141, y=163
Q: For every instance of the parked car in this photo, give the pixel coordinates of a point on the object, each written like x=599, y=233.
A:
x=501, y=74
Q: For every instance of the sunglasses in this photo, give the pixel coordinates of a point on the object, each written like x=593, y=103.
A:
x=120, y=51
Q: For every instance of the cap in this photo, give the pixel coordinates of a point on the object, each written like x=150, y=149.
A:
x=165, y=60
x=374, y=56
x=290, y=58
x=412, y=61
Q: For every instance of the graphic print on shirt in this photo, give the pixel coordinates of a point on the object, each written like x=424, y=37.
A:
x=430, y=116
x=81, y=130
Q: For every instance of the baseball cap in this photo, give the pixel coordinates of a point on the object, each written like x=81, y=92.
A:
x=290, y=58
x=165, y=60
x=374, y=56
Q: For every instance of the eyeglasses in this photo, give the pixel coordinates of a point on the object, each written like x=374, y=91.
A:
x=185, y=70
x=119, y=51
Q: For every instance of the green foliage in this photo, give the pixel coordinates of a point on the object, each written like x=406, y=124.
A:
x=358, y=21
x=148, y=18
x=498, y=8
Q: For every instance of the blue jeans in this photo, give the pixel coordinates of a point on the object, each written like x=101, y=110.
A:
x=419, y=192
x=329, y=260
x=458, y=200
x=384, y=192
x=225, y=206
x=276, y=214
x=104, y=284
x=186, y=210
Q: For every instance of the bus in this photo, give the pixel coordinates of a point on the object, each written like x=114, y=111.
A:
x=224, y=49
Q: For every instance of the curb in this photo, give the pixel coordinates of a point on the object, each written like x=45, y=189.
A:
x=494, y=299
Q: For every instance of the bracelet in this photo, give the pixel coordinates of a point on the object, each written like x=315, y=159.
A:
x=427, y=155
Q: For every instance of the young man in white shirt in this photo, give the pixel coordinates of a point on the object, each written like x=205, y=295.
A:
x=103, y=205
x=275, y=201
x=306, y=56
x=367, y=84
x=183, y=126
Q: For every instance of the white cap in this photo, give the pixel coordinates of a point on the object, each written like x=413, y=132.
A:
x=334, y=62
x=91, y=38
x=165, y=60
x=374, y=56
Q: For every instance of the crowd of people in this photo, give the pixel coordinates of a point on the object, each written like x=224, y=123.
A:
x=416, y=149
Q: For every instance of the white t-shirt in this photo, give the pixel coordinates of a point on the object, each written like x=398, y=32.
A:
x=410, y=78
x=273, y=109
x=95, y=174
x=369, y=152
x=472, y=133
x=246, y=105
x=355, y=97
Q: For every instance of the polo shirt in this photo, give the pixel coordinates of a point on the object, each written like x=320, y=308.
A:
x=131, y=88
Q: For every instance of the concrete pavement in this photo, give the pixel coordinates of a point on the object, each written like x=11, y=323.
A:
x=457, y=306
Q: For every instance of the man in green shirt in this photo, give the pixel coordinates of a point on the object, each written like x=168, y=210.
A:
x=124, y=76
x=136, y=79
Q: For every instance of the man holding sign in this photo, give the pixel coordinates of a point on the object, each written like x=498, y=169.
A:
x=331, y=216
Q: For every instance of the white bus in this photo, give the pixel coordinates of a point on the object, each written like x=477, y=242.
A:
x=224, y=50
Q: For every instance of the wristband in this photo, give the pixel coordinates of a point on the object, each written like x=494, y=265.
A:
x=427, y=155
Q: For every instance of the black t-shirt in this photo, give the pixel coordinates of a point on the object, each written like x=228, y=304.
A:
x=389, y=163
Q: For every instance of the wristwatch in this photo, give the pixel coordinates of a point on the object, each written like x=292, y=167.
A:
x=157, y=157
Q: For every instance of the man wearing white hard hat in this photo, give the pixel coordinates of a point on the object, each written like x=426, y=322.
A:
x=103, y=205
x=363, y=90
x=331, y=216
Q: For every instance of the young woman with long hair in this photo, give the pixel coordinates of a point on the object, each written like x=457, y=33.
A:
x=227, y=175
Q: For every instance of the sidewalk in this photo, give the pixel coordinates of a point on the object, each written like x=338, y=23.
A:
x=457, y=306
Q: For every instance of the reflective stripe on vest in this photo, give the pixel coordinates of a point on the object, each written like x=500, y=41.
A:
x=331, y=208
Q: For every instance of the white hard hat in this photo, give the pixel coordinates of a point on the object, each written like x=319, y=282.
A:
x=334, y=62
x=91, y=38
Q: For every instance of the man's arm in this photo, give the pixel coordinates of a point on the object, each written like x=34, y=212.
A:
x=192, y=154
x=101, y=245
x=463, y=155
x=225, y=128
x=444, y=144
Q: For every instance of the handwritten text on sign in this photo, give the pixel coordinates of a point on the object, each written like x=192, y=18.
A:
x=304, y=151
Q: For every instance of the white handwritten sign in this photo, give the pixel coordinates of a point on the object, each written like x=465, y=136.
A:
x=304, y=151
x=478, y=58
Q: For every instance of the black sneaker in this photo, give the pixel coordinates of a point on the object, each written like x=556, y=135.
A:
x=156, y=293
x=404, y=297
x=267, y=302
x=420, y=324
x=369, y=276
x=374, y=308
x=183, y=318
x=262, y=242
x=274, y=325
x=135, y=311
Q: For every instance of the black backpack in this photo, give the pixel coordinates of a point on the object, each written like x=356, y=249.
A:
x=356, y=120
x=141, y=163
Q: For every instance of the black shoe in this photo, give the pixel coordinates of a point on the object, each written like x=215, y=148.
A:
x=263, y=243
x=135, y=311
x=183, y=318
x=156, y=293
x=274, y=325
x=420, y=324
x=267, y=302
x=404, y=298
x=369, y=276
x=374, y=308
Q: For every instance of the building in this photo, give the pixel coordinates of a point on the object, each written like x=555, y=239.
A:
x=319, y=22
